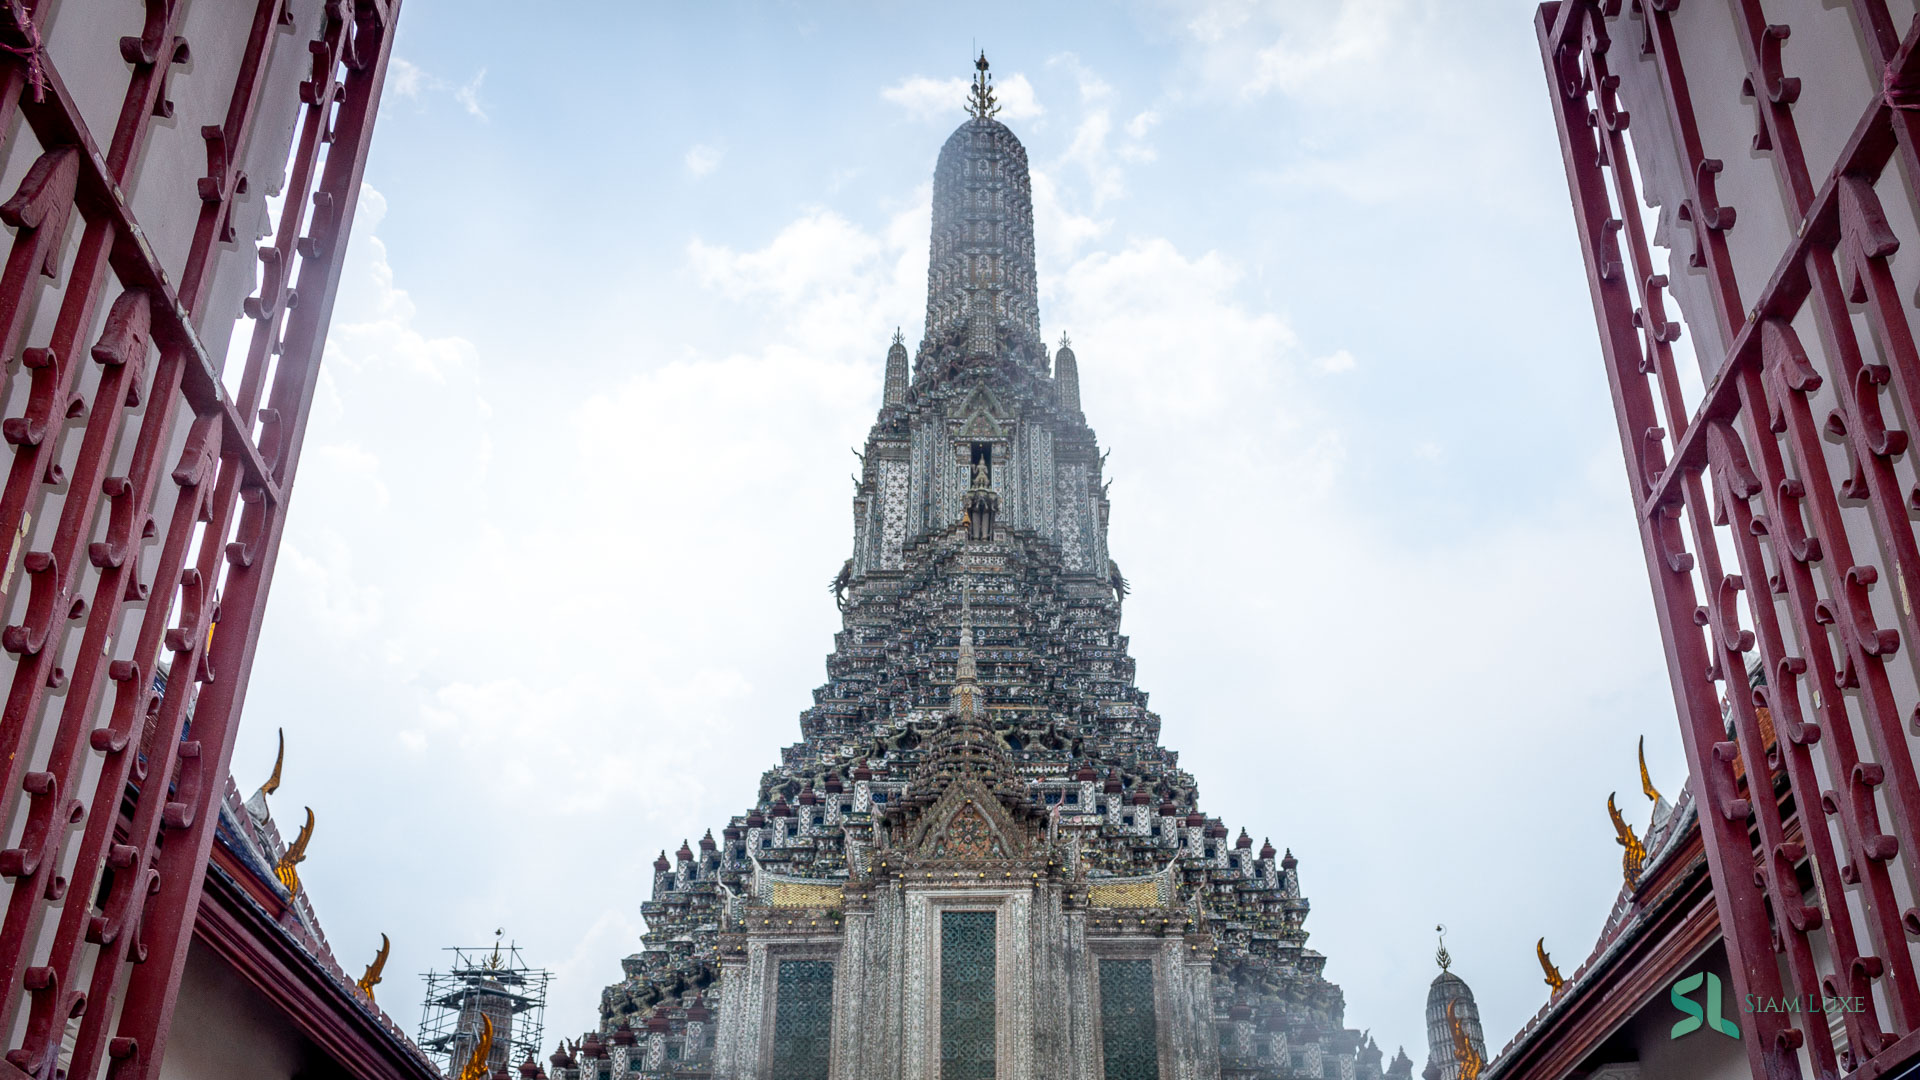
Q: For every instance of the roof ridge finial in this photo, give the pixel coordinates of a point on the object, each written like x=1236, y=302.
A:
x=982, y=105
x=1445, y=958
x=1646, y=781
x=966, y=668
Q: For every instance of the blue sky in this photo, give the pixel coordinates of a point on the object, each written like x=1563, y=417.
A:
x=554, y=590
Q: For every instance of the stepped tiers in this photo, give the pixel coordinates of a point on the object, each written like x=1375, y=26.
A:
x=978, y=862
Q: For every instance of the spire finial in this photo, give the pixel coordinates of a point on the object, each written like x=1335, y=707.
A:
x=1445, y=958
x=982, y=105
x=898, y=338
x=1065, y=341
x=965, y=671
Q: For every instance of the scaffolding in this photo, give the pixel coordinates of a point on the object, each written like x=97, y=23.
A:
x=494, y=982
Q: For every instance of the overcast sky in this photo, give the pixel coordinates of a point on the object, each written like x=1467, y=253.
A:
x=554, y=588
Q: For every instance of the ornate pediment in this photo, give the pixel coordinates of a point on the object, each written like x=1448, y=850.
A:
x=967, y=836
x=982, y=416
x=968, y=822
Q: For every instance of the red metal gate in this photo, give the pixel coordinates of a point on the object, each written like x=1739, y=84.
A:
x=169, y=496
x=1814, y=564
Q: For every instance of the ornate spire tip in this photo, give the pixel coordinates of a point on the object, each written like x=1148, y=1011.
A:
x=982, y=105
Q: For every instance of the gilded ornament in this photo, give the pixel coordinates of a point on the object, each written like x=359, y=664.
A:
x=1646, y=781
x=1464, y=1055
x=1554, y=979
x=476, y=1064
x=279, y=758
x=372, y=978
x=1634, y=855
x=295, y=855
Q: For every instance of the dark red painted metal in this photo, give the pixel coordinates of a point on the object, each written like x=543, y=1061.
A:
x=127, y=915
x=1803, y=590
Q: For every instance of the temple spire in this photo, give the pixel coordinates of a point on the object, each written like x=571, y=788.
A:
x=982, y=105
x=982, y=236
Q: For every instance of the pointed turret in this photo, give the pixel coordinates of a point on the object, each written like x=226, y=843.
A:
x=894, y=389
x=1066, y=375
x=1456, y=1048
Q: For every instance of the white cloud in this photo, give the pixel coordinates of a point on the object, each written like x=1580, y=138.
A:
x=408, y=80
x=1092, y=87
x=404, y=78
x=1089, y=151
x=946, y=99
x=1059, y=234
x=469, y=94
x=1137, y=307
x=1324, y=50
x=703, y=159
x=1335, y=362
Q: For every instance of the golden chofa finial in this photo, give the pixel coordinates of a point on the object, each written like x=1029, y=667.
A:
x=279, y=758
x=1441, y=954
x=1646, y=781
x=1634, y=855
x=476, y=1065
x=982, y=105
x=1554, y=979
x=372, y=978
x=1464, y=1055
x=295, y=855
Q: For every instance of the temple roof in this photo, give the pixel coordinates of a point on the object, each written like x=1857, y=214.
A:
x=1633, y=912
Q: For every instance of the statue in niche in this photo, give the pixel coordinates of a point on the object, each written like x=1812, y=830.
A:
x=981, y=502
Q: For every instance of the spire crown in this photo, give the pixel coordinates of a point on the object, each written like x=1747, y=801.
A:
x=982, y=106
